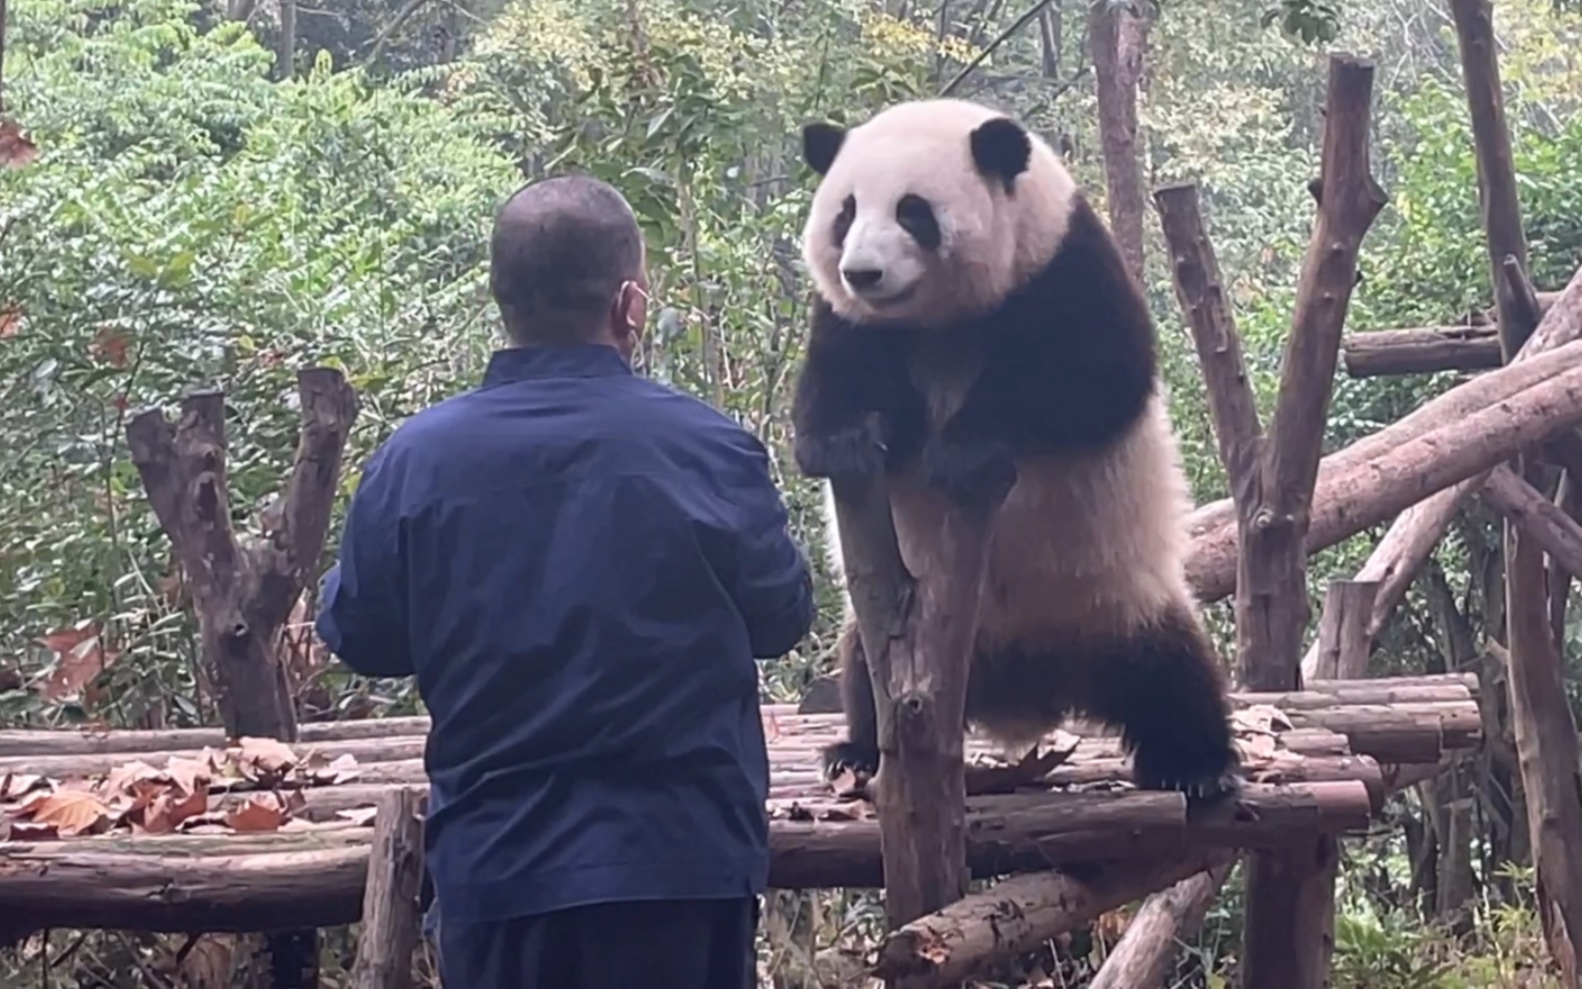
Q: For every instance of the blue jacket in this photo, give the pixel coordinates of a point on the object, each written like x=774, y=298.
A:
x=579, y=565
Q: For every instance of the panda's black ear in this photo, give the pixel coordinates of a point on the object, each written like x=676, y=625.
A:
x=1001, y=149
x=820, y=143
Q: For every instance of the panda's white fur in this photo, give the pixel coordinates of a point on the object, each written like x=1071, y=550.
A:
x=1086, y=561
x=834, y=561
x=1006, y=242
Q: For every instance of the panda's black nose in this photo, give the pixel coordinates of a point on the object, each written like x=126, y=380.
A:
x=861, y=278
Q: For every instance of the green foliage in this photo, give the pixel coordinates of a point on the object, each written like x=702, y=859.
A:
x=1384, y=953
x=1310, y=21
x=188, y=223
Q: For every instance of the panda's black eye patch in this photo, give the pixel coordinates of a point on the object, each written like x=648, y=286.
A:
x=848, y=212
x=916, y=216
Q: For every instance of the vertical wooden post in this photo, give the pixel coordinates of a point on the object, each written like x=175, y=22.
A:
x=1142, y=959
x=1305, y=875
x=1546, y=735
x=1290, y=893
x=390, y=898
x=916, y=637
x=1343, y=641
x=243, y=592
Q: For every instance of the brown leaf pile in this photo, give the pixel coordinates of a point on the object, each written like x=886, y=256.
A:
x=139, y=798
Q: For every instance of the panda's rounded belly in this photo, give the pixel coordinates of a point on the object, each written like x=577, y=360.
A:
x=1079, y=550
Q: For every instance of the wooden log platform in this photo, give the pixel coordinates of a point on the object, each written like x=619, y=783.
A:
x=1318, y=761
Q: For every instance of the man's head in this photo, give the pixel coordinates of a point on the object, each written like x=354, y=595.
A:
x=566, y=265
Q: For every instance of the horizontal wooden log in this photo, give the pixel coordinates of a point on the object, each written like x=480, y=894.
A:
x=1546, y=523
x=1452, y=406
x=292, y=879
x=1017, y=915
x=1088, y=766
x=1402, y=733
x=197, y=886
x=327, y=736
x=1354, y=493
x=1422, y=350
x=17, y=742
x=1428, y=349
x=72, y=754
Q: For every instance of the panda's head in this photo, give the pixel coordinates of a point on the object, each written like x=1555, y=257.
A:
x=930, y=212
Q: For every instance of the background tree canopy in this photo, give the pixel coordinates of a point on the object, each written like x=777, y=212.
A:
x=221, y=193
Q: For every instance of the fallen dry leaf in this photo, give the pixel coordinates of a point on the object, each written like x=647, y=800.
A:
x=166, y=811
x=80, y=656
x=125, y=778
x=70, y=812
x=1261, y=718
x=208, y=963
x=16, y=149
x=260, y=813
x=342, y=769
x=1258, y=746
x=15, y=785
x=190, y=774
x=10, y=322
x=264, y=757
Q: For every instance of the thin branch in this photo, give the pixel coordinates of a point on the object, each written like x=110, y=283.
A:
x=388, y=31
x=982, y=56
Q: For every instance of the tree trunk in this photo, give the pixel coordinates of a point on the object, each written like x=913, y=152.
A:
x=1117, y=41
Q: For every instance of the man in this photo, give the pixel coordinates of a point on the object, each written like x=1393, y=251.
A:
x=579, y=566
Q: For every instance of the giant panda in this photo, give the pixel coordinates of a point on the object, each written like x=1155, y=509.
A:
x=974, y=330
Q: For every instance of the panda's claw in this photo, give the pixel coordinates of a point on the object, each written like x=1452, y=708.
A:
x=1205, y=788
x=861, y=761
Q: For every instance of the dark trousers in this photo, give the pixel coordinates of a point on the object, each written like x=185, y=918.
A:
x=669, y=944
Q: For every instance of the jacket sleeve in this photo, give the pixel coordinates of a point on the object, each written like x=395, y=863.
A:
x=765, y=571
x=362, y=615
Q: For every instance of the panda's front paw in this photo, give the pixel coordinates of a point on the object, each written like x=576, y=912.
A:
x=972, y=475
x=845, y=452
x=858, y=761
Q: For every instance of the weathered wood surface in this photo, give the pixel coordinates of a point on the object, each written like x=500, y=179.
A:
x=1441, y=444
x=1019, y=914
x=1546, y=732
x=391, y=916
x=251, y=882
x=1473, y=346
x=1405, y=731
x=1306, y=779
x=1421, y=350
x=385, y=739
x=1413, y=535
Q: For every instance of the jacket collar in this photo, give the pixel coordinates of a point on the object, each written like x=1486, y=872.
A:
x=583, y=360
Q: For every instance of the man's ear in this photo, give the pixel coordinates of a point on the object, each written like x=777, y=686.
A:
x=631, y=311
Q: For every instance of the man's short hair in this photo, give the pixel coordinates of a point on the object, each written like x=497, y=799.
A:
x=559, y=252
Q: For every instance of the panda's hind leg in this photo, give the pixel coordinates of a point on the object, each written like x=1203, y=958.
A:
x=1164, y=688
x=858, y=753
